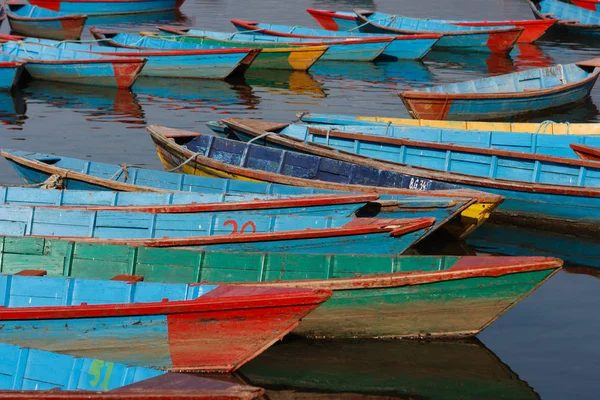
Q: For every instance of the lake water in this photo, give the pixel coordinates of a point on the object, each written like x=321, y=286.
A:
x=546, y=346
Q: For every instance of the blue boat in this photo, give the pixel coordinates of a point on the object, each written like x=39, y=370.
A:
x=11, y=69
x=574, y=19
x=198, y=64
x=61, y=65
x=340, y=49
x=402, y=47
x=104, y=7
x=542, y=191
x=505, y=96
x=402, y=203
x=174, y=327
x=26, y=375
x=532, y=143
x=500, y=39
x=34, y=21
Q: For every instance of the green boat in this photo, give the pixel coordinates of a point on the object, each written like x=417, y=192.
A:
x=384, y=369
x=272, y=56
x=374, y=296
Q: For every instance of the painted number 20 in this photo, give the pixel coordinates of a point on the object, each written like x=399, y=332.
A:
x=234, y=225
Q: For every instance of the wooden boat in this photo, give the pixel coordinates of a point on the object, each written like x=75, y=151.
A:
x=593, y=5
x=545, y=127
x=103, y=7
x=174, y=327
x=334, y=205
x=29, y=20
x=11, y=69
x=373, y=296
x=340, y=49
x=541, y=191
x=531, y=143
x=218, y=230
x=402, y=47
x=499, y=39
x=469, y=208
x=237, y=160
x=38, y=374
x=574, y=19
x=60, y=65
x=413, y=369
x=196, y=64
x=298, y=58
x=505, y=96
x=348, y=21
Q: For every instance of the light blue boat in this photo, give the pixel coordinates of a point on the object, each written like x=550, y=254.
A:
x=196, y=64
x=446, y=206
x=403, y=47
x=361, y=49
x=11, y=69
x=504, y=96
x=34, y=21
x=108, y=6
x=38, y=370
x=62, y=65
x=500, y=39
x=533, y=143
x=574, y=19
x=540, y=190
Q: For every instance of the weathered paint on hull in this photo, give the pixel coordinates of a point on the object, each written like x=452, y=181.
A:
x=451, y=307
x=493, y=108
x=69, y=29
x=100, y=7
x=120, y=75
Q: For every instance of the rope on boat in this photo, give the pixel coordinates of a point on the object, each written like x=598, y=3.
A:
x=387, y=127
x=53, y=182
x=190, y=158
x=260, y=136
x=299, y=119
x=118, y=173
x=369, y=21
x=562, y=74
x=544, y=125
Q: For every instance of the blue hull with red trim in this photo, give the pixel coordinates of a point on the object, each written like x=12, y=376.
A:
x=177, y=327
x=11, y=69
x=103, y=7
x=197, y=64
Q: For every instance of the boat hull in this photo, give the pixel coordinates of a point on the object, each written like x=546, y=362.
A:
x=481, y=107
x=66, y=29
x=423, y=296
x=10, y=73
x=104, y=7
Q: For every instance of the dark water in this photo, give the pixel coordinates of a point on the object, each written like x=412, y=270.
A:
x=548, y=344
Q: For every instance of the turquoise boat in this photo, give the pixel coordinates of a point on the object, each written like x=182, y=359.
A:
x=195, y=64
x=518, y=94
x=531, y=143
x=340, y=49
x=11, y=69
x=34, y=21
x=574, y=19
x=497, y=39
x=402, y=47
x=26, y=375
x=62, y=65
x=105, y=7
x=544, y=191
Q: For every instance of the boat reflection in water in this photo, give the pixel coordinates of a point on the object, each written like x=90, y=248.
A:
x=382, y=369
x=509, y=240
x=140, y=20
x=196, y=95
x=449, y=63
x=12, y=108
x=97, y=104
x=527, y=55
x=285, y=82
x=383, y=73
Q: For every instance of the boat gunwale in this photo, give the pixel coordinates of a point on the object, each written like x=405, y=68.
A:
x=437, y=175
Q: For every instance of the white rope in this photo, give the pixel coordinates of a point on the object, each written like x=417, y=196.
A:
x=545, y=124
x=184, y=163
x=562, y=74
x=260, y=136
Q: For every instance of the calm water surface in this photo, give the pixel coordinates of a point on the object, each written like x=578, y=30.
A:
x=545, y=347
